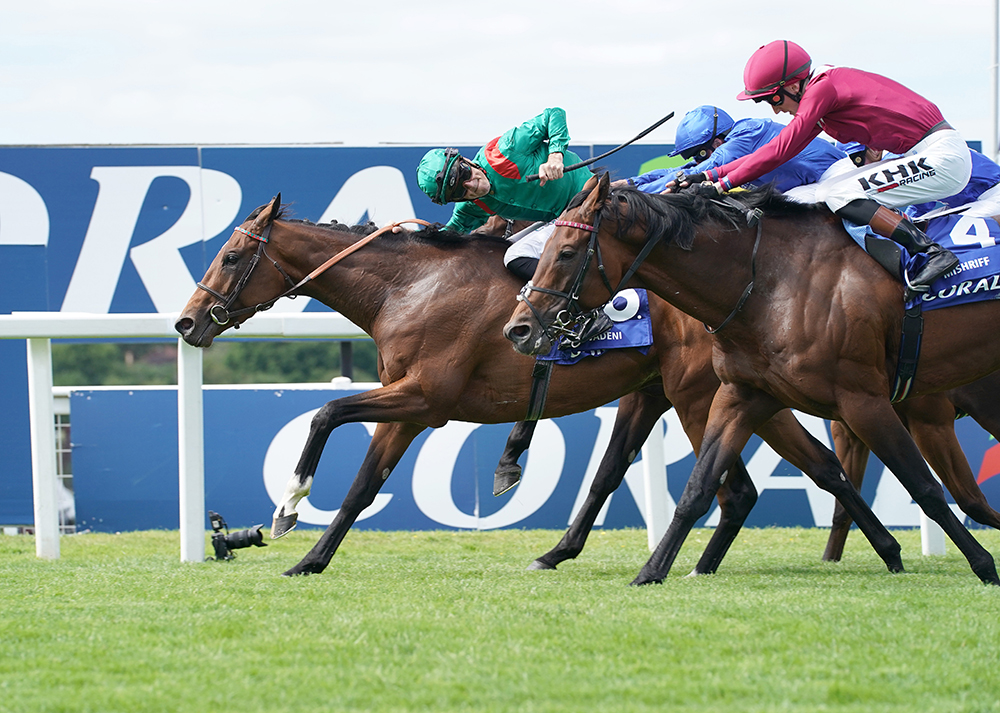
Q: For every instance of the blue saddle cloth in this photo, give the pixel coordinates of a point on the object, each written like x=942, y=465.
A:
x=974, y=242
x=629, y=310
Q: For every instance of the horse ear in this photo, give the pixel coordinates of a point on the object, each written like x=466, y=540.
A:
x=268, y=214
x=598, y=193
x=604, y=185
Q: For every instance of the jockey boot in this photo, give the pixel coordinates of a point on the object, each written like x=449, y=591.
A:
x=899, y=229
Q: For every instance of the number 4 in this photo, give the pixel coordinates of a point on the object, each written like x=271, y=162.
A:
x=972, y=231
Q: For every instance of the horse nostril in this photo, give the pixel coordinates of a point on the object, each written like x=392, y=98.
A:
x=184, y=325
x=518, y=333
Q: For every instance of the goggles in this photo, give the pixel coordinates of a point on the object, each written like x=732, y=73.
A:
x=702, y=151
x=451, y=179
x=698, y=152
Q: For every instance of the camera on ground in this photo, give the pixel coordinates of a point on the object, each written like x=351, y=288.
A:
x=225, y=542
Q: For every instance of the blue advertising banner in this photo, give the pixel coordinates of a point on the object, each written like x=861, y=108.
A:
x=130, y=229
x=125, y=462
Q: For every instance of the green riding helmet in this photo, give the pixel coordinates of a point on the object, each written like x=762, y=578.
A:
x=442, y=174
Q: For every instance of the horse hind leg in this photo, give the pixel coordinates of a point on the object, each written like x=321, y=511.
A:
x=937, y=441
x=853, y=454
x=508, y=472
x=878, y=425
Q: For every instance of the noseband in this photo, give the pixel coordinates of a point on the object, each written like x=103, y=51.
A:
x=220, y=312
x=566, y=319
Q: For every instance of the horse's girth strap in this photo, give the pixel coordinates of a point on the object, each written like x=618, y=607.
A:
x=909, y=351
x=541, y=374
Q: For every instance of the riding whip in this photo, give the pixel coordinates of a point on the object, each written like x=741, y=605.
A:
x=573, y=167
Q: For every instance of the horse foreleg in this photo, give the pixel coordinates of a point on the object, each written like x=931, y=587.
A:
x=736, y=412
x=399, y=401
x=637, y=414
x=853, y=455
x=388, y=445
x=880, y=428
x=794, y=443
x=508, y=472
x=737, y=496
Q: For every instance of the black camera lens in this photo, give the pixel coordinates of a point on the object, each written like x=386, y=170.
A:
x=246, y=538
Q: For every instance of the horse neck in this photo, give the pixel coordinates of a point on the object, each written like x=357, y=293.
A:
x=391, y=274
x=351, y=287
x=705, y=282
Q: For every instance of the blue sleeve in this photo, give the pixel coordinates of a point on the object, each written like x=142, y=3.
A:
x=657, y=174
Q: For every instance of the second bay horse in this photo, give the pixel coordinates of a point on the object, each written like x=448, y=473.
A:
x=801, y=318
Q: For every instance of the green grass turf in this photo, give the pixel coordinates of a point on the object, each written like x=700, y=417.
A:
x=443, y=621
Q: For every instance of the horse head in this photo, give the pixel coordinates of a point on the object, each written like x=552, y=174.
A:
x=564, y=287
x=232, y=289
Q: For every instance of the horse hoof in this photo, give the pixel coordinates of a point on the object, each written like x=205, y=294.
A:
x=283, y=525
x=506, y=478
x=538, y=564
x=642, y=580
x=302, y=569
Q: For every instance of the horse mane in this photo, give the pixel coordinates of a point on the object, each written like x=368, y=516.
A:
x=676, y=215
x=435, y=234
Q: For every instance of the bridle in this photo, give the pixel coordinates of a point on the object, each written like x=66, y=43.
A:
x=566, y=318
x=562, y=327
x=221, y=313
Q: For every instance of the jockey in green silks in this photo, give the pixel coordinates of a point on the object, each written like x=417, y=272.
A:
x=494, y=181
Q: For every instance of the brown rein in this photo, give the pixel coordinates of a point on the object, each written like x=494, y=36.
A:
x=226, y=302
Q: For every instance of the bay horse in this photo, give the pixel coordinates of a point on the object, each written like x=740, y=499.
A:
x=435, y=303
x=802, y=318
x=930, y=420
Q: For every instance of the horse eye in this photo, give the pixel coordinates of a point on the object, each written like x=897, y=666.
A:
x=567, y=254
x=231, y=259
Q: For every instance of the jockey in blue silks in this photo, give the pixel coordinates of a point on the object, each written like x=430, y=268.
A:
x=709, y=137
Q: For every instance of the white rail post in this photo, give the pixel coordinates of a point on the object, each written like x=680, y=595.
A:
x=932, y=540
x=659, y=512
x=44, y=488
x=190, y=452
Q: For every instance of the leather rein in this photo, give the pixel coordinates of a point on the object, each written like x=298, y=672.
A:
x=220, y=312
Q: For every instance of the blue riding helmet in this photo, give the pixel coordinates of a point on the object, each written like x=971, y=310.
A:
x=700, y=127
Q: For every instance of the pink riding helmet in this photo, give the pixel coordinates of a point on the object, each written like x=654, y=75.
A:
x=773, y=66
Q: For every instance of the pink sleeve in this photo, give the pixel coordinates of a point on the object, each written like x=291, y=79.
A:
x=803, y=128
